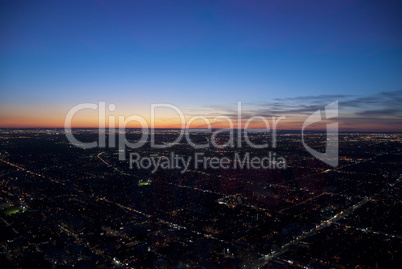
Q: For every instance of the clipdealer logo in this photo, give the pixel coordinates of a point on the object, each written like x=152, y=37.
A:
x=149, y=131
x=271, y=161
x=202, y=162
x=330, y=156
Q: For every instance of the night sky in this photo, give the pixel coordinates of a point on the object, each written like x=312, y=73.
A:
x=278, y=58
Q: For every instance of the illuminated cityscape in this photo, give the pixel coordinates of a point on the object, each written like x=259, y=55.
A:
x=233, y=134
x=64, y=206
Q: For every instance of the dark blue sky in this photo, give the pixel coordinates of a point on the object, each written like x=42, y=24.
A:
x=200, y=55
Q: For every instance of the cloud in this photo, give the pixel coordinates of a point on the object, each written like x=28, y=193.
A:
x=380, y=111
x=377, y=105
x=316, y=98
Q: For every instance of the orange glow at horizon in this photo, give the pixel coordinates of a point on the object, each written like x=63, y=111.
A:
x=38, y=121
x=54, y=117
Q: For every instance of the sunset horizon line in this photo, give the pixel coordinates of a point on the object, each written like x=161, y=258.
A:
x=340, y=130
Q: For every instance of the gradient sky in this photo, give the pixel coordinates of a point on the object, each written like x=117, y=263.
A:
x=282, y=58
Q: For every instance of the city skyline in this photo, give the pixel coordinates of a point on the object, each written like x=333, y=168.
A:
x=200, y=134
